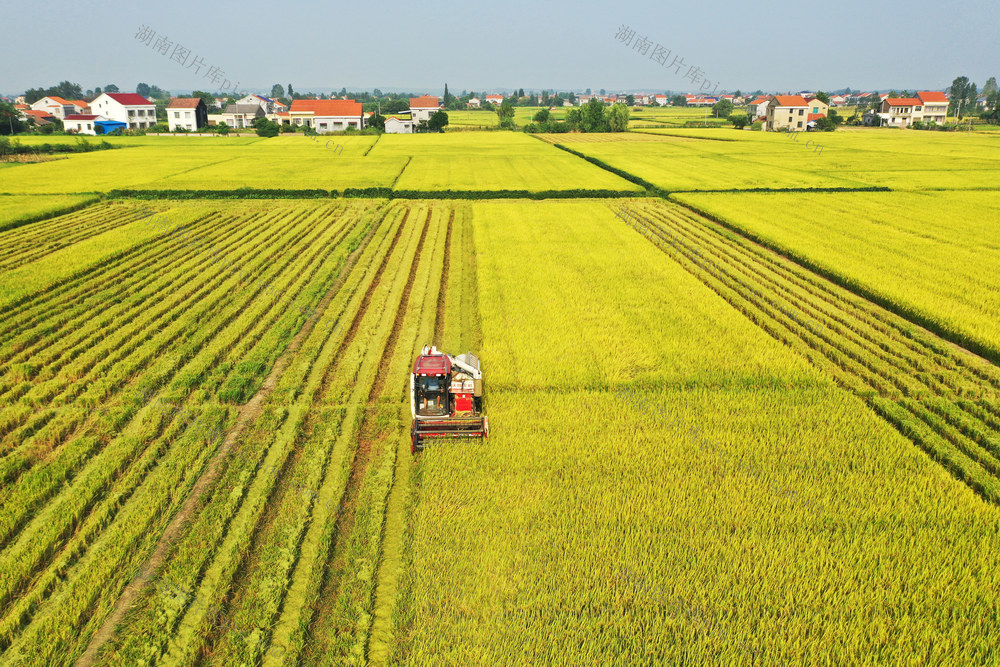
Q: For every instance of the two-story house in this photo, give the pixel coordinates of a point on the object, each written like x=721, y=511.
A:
x=130, y=108
x=422, y=108
x=787, y=112
x=186, y=113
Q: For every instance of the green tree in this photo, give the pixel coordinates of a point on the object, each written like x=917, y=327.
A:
x=448, y=100
x=679, y=101
x=505, y=114
x=722, y=108
x=277, y=90
x=957, y=94
x=574, y=118
x=990, y=86
x=823, y=97
x=618, y=117
x=437, y=121
x=825, y=125
x=111, y=88
x=376, y=121
x=398, y=105
x=739, y=120
x=592, y=117
x=291, y=93
x=10, y=120
x=265, y=127
x=630, y=100
x=206, y=97
x=142, y=89
x=541, y=116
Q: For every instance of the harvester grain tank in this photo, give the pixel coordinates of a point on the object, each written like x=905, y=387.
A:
x=446, y=397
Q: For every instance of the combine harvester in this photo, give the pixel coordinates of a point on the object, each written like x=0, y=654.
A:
x=446, y=397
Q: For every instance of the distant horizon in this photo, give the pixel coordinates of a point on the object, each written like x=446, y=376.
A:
x=652, y=46
x=266, y=91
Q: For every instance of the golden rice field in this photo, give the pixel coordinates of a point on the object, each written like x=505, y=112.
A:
x=727, y=427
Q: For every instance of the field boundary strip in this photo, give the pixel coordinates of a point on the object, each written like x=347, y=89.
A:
x=371, y=193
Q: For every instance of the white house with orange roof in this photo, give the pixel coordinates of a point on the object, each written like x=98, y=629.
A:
x=422, y=108
x=935, y=106
x=59, y=108
x=495, y=99
x=787, y=112
x=398, y=125
x=326, y=115
x=758, y=107
x=926, y=107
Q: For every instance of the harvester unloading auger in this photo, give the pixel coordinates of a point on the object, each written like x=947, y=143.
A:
x=446, y=397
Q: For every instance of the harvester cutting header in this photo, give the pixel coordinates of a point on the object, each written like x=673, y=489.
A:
x=446, y=397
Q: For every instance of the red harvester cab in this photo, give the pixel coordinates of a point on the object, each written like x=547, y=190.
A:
x=446, y=397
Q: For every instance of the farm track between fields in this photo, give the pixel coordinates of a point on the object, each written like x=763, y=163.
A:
x=246, y=328
x=942, y=397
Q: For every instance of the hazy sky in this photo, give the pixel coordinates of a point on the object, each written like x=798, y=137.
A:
x=556, y=44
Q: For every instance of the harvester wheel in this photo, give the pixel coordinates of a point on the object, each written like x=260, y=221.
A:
x=414, y=441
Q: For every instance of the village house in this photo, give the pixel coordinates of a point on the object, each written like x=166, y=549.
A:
x=59, y=108
x=787, y=112
x=186, y=113
x=130, y=108
x=37, y=117
x=241, y=115
x=926, y=107
x=817, y=109
x=474, y=103
x=935, y=106
x=270, y=107
x=82, y=123
x=422, y=108
x=495, y=99
x=325, y=115
x=398, y=125
x=758, y=108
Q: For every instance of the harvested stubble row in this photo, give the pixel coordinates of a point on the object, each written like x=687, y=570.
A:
x=285, y=547
x=28, y=243
x=945, y=399
x=87, y=492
